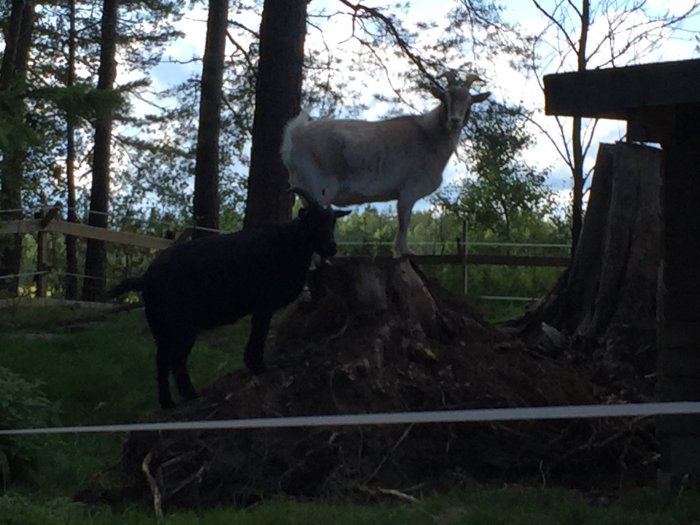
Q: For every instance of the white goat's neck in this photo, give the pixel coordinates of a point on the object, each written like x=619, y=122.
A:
x=434, y=124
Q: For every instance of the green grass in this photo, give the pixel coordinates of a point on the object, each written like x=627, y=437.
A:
x=103, y=371
x=483, y=506
x=96, y=373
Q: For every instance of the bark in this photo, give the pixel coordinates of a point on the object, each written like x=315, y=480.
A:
x=206, y=190
x=96, y=254
x=277, y=100
x=577, y=137
x=12, y=75
x=604, y=304
x=71, y=281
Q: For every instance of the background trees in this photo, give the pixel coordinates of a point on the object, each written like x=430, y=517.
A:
x=504, y=194
x=206, y=187
x=277, y=100
x=96, y=254
x=15, y=135
x=358, y=60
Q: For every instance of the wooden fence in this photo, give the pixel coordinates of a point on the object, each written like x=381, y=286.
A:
x=49, y=221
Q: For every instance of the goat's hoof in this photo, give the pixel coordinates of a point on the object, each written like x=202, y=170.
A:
x=256, y=368
x=167, y=404
x=189, y=396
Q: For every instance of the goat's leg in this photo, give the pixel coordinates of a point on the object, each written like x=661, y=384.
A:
x=162, y=371
x=254, y=349
x=404, y=207
x=178, y=363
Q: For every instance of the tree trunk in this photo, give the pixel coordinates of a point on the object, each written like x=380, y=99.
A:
x=277, y=100
x=12, y=75
x=577, y=189
x=96, y=254
x=576, y=135
x=71, y=281
x=604, y=304
x=206, y=186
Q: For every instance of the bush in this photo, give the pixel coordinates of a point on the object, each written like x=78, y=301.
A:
x=22, y=405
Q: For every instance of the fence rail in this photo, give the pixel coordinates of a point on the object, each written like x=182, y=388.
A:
x=49, y=221
x=76, y=229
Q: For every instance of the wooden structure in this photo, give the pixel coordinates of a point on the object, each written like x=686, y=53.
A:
x=661, y=104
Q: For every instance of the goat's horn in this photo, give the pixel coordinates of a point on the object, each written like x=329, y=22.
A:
x=303, y=194
x=471, y=78
x=451, y=77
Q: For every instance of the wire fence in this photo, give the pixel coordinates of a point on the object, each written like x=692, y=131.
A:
x=463, y=249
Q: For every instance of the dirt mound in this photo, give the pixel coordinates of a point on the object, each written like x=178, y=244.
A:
x=381, y=337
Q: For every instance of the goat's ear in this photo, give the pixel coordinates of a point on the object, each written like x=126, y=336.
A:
x=341, y=213
x=303, y=212
x=437, y=92
x=480, y=97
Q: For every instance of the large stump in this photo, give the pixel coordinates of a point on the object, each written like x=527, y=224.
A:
x=373, y=337
x=601, y=314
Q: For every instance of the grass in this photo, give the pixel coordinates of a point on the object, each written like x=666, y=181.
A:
x=95, y=373
x=99, y=372
x=479, y=506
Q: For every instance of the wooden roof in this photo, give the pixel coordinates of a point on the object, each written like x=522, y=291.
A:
x=617, y=93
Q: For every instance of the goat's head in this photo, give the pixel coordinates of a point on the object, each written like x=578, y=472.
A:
x=456, y=99
x=318, y=223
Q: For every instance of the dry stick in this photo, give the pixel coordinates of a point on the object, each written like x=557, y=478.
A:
x=157, y=497
x=377, y=14
x=388, y=454
x=195, y=476
x=389, y=492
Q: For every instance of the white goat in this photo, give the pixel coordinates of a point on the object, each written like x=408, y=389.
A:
x=345, y=162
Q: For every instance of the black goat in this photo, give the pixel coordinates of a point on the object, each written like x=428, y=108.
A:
x=216, y=280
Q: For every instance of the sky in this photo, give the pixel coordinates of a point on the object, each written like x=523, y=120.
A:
x=505, y=83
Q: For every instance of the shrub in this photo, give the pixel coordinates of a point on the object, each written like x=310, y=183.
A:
x=22, y=405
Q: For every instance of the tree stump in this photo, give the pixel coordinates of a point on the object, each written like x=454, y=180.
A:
x=603, y=308
x=376, y=336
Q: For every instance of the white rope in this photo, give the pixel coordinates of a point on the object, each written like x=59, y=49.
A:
x=481, y=415
x=17, y=275
x=507, y=298
x=494, y=244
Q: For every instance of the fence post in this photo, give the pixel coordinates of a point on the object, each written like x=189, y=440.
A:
x=462, y=252
x=42, y=249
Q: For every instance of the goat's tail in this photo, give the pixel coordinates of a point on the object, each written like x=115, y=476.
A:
x=297, y=122
x=127, y=285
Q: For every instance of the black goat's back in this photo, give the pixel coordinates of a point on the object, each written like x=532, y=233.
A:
x=215, y=280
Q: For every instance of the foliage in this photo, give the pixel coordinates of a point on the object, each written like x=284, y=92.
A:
x=80, y=100
x=22, y=405
x=15, y=132
x=145, y=30
x=94, y=368
x=369, y=232
x=502, y=194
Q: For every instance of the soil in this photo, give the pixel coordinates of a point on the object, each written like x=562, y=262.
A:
x=375, y=336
